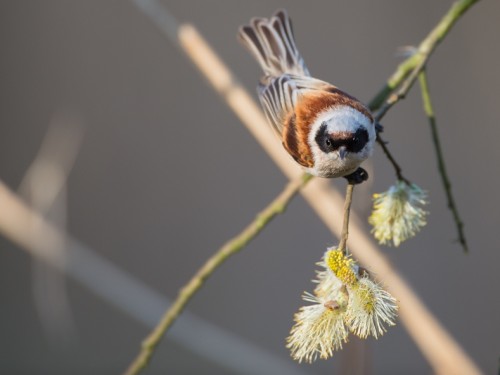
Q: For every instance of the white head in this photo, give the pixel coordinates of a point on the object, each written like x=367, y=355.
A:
x=340, y=139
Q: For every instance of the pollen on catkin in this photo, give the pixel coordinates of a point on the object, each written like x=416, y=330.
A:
x=344, y=301
x=341, y=266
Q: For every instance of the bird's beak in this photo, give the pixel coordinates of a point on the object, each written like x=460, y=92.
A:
x=342, y=152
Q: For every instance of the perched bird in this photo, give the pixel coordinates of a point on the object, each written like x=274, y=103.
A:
x=325, y=130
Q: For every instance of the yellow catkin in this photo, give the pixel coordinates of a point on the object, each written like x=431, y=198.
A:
x=341, y=266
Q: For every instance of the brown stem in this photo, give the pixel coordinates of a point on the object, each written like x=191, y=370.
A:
x=345, y=225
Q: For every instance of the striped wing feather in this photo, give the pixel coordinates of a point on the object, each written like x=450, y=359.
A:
x=280, y=95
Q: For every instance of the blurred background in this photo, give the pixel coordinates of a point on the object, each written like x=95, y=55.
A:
x=164, y=173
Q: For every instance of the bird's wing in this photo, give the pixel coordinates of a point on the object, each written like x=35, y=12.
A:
x=279, y=96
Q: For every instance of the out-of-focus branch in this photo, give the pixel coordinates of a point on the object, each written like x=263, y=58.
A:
x=429, y=111
x=276, y=207
x=47, y=175
x=442, y=352
x=44, y=187
x=40, y=238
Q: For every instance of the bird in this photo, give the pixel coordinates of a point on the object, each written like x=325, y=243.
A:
x=325, y=130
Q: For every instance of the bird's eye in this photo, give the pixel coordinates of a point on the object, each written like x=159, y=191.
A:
x=324, y=139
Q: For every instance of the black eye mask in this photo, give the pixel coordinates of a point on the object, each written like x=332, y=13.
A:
x=353, y=142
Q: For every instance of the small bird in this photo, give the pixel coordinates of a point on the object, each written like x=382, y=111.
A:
x=327, y=131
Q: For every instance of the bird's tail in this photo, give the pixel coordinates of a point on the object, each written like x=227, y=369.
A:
x=272, y=43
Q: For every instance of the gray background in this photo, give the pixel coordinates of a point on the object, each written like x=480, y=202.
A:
x=167, y=173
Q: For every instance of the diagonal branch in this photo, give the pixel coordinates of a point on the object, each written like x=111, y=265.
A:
x=277, y=206
x=407, y=72
x=442, y=352
x=423, y=52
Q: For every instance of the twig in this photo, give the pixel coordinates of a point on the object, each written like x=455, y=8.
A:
x=276, y=207
x=429, y=111
x=40, y=238
x=392, y=160
x=404, y=87
x=423, y=52
x=345, y=225
x=443, y=353
x=408, y=71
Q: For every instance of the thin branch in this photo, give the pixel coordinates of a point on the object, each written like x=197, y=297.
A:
x=405, y=86
x=408, y=71
x=424, y=51
x=40, y=238
x=429, y=111
x=392, y=160
x=443, y=353
x=400, y=94
x=345, y=225
x=276, y=207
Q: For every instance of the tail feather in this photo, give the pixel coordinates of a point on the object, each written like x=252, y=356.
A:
x=272, y=43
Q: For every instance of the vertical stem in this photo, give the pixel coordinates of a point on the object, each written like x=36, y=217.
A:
x=429, y=111
x=345, y=225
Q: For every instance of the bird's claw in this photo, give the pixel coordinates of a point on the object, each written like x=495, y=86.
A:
x=357, y=177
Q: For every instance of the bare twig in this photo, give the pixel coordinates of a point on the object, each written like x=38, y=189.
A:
x=423, y=52
x=408, y=71
x=392, y=160
x=276, y=207
x=345, y=225
x=404, y=87
x=442, y=352
x=429, y=111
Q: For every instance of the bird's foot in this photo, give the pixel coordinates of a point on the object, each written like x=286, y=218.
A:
x=357, y=177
